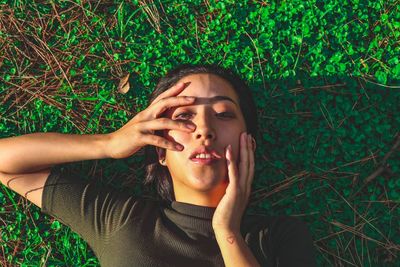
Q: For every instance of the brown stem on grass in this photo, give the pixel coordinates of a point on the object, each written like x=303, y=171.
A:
x=383, y=165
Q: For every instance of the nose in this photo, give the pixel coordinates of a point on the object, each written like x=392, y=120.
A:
x=204, y=128
x=205, y=134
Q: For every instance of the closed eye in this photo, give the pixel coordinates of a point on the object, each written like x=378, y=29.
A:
x=222, y=114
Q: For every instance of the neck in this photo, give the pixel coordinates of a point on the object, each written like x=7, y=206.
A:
x=209, y=198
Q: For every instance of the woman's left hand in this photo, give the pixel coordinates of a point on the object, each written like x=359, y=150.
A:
x=229, y=212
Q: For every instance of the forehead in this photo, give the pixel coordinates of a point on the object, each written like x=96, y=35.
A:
x=207, y=85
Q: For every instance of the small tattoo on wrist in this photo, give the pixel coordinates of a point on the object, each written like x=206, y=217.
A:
x=230, y=239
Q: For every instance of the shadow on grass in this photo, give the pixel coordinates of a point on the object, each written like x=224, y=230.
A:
x=327, y=152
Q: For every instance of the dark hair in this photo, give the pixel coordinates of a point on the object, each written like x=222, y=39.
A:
x=159, y=174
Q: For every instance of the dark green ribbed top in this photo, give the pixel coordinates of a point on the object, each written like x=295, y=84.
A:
x=124, y=230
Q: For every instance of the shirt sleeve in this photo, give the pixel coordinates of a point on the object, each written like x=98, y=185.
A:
x=92, y=212
x=294, y=243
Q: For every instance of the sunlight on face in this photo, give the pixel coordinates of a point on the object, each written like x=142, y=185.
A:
x=219, y=122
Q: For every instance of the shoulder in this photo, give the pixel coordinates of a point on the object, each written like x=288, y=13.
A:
x=281, y=223
x=281, y=229
x=286, y=239
x=75, y=199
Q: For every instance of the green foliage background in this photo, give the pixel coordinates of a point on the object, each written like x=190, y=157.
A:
x=325, y=76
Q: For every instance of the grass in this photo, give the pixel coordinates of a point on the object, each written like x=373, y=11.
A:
x=325, y=77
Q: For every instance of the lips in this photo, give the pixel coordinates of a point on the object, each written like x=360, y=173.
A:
x=204, y=161
x=205, y=150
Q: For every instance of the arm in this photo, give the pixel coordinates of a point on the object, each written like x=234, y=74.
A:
x=25, y=160
x=38, y=151
x=228, y=214
x=234, y=249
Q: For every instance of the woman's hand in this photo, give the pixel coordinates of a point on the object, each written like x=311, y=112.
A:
x=229, y=212
x=139, y=131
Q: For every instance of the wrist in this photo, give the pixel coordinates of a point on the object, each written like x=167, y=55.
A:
x=105, y=145
x=225, y=232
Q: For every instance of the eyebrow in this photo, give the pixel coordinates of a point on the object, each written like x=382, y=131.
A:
x=210, y=100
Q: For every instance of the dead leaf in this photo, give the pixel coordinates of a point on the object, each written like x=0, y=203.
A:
x=123, y=86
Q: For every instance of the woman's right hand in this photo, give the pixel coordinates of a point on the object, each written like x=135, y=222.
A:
x=139, y=131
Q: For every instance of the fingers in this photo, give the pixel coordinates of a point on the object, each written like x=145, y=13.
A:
x=241, y=178
x=174, y=90
x=148, y=128
x=159, y=141
x=166, y=103
x=168, y=99
x=251, y=165
x=232, y=169
x=244, y=160
x=165, y=124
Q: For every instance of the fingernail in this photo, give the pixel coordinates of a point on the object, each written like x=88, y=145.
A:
x=179, y=147
x=187, y=84
x=189, y=98
x=190, y=126
x=253, y=142
x=228, y=151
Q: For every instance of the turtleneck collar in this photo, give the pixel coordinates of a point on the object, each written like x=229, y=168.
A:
x=193, y=219
x=202, y=212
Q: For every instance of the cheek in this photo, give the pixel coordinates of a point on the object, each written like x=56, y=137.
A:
x=177, y=136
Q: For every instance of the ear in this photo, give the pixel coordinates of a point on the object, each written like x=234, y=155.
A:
x=161, y=156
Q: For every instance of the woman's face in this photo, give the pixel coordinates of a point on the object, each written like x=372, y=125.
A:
x=218, y=124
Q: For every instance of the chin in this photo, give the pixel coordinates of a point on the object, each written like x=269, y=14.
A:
x=206, y=182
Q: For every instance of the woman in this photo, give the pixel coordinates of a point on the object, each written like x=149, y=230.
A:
x=204, y=186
